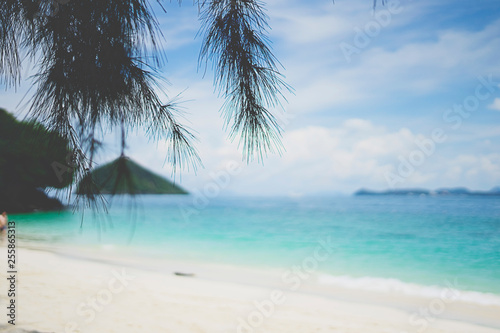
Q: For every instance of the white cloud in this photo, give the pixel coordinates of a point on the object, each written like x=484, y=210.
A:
x=356, y=153
x=320, y=159
x=475, y=170
x=495, y=105
x=406, y=63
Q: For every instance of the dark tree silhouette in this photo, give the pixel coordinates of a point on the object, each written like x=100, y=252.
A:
x=31, y=159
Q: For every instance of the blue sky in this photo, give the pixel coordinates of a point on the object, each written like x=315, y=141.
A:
x=391, y=98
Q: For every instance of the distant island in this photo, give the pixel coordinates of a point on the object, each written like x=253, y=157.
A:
x=124, y=176
x=457, y=191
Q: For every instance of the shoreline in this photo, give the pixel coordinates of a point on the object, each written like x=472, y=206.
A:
x=71, y=275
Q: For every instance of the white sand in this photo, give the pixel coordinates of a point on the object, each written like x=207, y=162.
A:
x=59, y=293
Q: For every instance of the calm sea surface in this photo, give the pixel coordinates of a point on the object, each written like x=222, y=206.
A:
x=405, y=240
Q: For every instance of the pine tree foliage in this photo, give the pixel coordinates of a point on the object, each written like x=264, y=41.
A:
x=97, y=70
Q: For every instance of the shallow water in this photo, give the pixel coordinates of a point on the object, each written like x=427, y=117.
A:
x=390, y=243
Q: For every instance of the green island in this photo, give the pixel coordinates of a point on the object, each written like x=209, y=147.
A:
x=124, y=176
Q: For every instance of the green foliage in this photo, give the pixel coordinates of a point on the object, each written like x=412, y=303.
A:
x=247, y=75
x=27, y=155
x=123, y=176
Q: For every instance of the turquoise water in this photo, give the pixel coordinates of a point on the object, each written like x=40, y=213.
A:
x=419, y=240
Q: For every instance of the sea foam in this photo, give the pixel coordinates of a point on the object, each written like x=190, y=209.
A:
x=391, y=285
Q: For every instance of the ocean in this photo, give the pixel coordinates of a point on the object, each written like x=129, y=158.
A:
x=403, y=243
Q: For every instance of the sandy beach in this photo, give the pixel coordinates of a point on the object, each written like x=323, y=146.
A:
x=90, y=291
x=249, y=166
